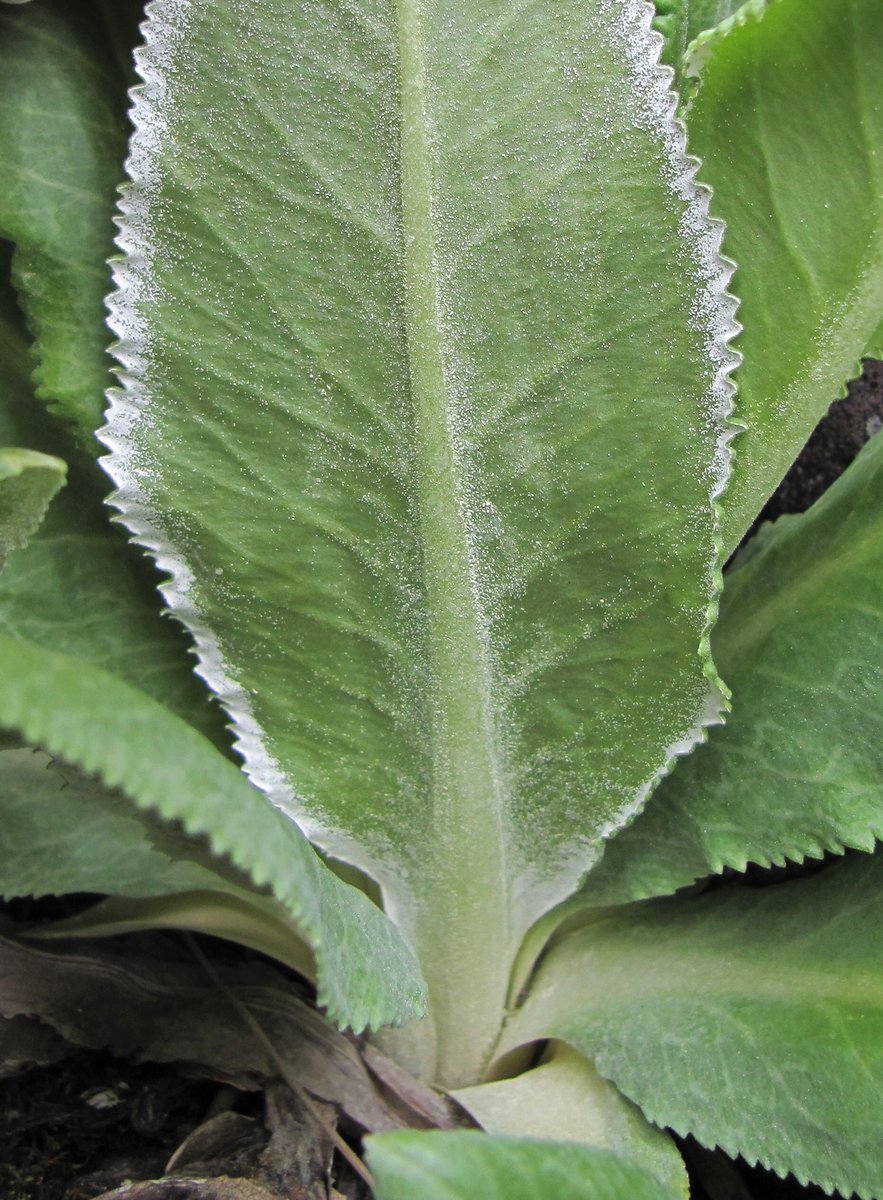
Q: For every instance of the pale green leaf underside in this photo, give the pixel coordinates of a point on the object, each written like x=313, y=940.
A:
x=750, y=1018
x=564, y=1099
x=788, y=123
x=77, y=586
x=62, y=142
x=424, y=317
x=796, y=770
x=28, y=481
x=104, y=726
x=473, y=1166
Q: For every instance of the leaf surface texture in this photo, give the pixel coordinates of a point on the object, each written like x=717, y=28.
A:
x=392, y=422
x=751, y=1018
x=799, y=641
x=366, y=974
x=473, y=1166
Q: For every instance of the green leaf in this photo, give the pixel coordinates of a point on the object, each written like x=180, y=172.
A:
x=800, y=640
x=77, y=586
x=788, y=123
x=366, y=975
x=28, y=481
x=451, y=592
x=62, y=142
x=752, y=1019
x=473, y=1166
x=61, y=831
x=565, y=1099
x=680, y=21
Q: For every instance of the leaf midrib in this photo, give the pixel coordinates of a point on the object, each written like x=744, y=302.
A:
x=461, y=922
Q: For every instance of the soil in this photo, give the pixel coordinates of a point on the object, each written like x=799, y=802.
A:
x=833, y=445
x=95, y=1126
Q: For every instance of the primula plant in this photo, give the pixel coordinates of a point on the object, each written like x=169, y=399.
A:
x=436, y=413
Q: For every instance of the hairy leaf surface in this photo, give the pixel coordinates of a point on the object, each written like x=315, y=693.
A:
x=366, y=974
x=436, y=508
x=752, y=1019
x=796, y=770
x=788, y=123
x=472, y=1166
x=63, y=76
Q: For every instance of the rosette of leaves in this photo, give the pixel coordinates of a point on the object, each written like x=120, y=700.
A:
x=425, y=416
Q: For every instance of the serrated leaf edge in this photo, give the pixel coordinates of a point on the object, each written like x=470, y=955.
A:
x=164, y=32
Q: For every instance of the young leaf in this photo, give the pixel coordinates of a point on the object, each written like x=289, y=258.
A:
x=28, y=481
x=438, y=512
x=565, y=1099
x=751, y=1018
x=799, y=640
x=800, y=183
x=62, y=142
x=366, y=975
x=680, y=21
x=473, y=1166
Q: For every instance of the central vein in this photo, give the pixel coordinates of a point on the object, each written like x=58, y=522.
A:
x=461, y=929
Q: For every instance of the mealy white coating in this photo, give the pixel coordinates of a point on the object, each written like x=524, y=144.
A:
x=130, y=406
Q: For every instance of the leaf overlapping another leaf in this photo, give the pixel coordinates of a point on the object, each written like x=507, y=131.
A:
x=77, y=587
x=28, y=481
x=62, y=141
x=681, y=21
x=366, y=975
x=788, y=123
x=565, y=1099
x=796, y=769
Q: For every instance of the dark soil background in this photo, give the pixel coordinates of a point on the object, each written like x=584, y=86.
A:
x=833, y=445
x=92, y=1124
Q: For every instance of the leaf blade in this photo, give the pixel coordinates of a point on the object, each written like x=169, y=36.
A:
x=28, y=481
x=798, y=640
x=564, y=1099
x=369, y=541
x=473, y=1166
x=62, y=139
x=751, y=1018
x=77, y=587
x=163, y=764
x=806, y=246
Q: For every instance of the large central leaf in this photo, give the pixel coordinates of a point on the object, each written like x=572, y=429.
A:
x=424, y=340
